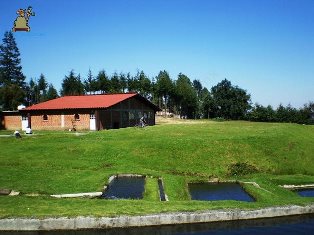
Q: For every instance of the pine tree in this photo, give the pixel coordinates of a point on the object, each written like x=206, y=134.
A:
x=12, y=80
x=42, y=87
x=164, y=88
x=72, y=85
x=144, y=85
x=186, y=96
x=90, y=84
x=115, y=84
x=11, y=70
x=103, y=82
x=123, y=82
x=132, y=83
x=51, y=93
x=32, y=92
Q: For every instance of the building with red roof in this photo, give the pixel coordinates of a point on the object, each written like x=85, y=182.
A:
x=87, y=112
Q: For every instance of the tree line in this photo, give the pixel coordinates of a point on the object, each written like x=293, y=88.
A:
x=260, y=113
x=180, y=96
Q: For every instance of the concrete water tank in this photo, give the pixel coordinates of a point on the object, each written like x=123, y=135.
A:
x=20, y=107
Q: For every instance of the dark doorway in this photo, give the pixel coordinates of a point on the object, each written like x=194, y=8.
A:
x=116, y=125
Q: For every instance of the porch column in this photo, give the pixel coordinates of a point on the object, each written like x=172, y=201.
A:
x=62, y=120
x=29, y=118
x=97, y=120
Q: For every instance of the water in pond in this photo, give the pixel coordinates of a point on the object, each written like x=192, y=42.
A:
x=306, y=192
x=218, y=191
x=299, y=225
x=125, y=188
x=161, y=190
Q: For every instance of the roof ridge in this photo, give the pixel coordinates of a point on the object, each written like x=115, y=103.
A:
x=125, y=93
x=83, y=101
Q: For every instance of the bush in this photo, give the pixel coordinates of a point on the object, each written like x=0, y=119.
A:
x=241, y=168
x=219, y=119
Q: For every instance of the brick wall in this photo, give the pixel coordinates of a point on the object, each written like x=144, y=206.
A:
x=81, y=124
x=12, y=122
x=54, y=122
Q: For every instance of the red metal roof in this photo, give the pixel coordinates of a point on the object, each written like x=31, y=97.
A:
x=82, y=102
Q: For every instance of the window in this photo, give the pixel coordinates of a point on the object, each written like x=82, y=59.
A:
x=139, y=114
x=125, y=116
x=150, y=115
x=45, y=117
x=131, y=115
x=24, y=118
x=92, y=116
x=76, y=117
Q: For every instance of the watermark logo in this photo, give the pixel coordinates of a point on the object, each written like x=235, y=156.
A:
x=21, y=22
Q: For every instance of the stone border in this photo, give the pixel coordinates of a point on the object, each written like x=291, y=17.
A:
x=63, y=223
x=8, y=192
x=163, y=187
x=301, y=186
x=74, y=195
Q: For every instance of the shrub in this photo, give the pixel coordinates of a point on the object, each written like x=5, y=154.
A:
x=219, y=119
x=241, y=168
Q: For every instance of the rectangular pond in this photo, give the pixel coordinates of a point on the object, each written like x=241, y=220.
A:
x=308, y=192
x=123, y=187
x=218, y=191
x=162, y=194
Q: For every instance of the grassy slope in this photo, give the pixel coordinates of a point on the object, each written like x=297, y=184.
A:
x=60, y=162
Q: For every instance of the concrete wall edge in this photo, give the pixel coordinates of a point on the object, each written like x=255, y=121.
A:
x=89, y=222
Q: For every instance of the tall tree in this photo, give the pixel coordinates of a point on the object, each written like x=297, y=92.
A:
x=231, y=102
x=164, y=88
x=206, y=103
x=123, y=82
x=72, y=85
x=132, y=83
x=154, y=98
x=144, y=85
x=307, y=114
x=10, y=62
x=103, y=82
x=12, y=80
x=52, y=93
x=286, y=114
x=11, y=96
x=42, y=83
x=42, y=87
x=32, y=92
x=115, y=84
x=90, y=84
x=262, y=114
x=186, y=96
x=197, y=86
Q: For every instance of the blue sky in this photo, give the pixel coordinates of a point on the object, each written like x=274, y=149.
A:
x=263, y=46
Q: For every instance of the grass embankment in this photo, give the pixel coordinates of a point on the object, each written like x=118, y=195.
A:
x=60, y=162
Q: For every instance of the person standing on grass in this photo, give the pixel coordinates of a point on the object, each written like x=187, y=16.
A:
x=142, y=121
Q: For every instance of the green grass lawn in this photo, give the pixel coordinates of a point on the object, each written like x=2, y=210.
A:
x=62, y=162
